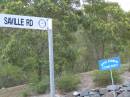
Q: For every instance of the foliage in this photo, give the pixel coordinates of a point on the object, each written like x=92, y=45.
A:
x=68, y=82
x=10, y=76
x=102, y=25
x=103, y=78
x=25, y=94
x=81, y=38
x=128, y=68
x=28, y=49
x=40, y=87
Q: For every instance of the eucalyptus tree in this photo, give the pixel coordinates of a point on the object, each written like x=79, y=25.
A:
x=28, y=49
x=103, y=27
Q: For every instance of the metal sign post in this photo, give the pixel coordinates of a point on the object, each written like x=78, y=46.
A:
x=51, y=61
x=30, y=22
x=112, y=79
x=109, y=64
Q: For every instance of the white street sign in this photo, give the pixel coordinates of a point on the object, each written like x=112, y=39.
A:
x=27, y=22
x=30, y=22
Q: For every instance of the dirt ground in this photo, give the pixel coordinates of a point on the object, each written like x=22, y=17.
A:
x=86, y=83
x=126, y=77
x=12, y=92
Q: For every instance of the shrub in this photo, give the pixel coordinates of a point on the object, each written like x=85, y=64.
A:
x=68, y=83
x=25, y=94
x=124, y=68
x=128, y=67
x=40, y=87
x=103, y=78
x=10, y=76
x=9, y=81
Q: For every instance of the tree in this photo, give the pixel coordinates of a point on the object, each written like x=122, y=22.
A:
x=103, y=24
x=28, y=49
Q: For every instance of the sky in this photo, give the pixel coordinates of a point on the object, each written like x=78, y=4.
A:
x=125, y=4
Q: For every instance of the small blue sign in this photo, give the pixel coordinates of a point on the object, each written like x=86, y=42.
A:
x=108, y=64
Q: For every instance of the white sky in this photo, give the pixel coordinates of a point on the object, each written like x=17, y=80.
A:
x=125, y=4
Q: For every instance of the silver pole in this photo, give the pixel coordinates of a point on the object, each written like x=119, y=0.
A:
x=112, y=79
x=51, y=61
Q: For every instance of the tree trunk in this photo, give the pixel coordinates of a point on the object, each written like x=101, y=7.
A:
x=39, y=72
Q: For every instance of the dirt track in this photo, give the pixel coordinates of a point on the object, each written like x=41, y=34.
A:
x=86, y=83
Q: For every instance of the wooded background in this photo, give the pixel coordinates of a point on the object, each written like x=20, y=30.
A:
x=81, y=38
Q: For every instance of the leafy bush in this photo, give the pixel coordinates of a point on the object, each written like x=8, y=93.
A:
x=103, y=78
x=128, y=67
x=25, y=94
x=124, y=68
x=40, y=87
x=68, y=83
x=10, y=76
x=9, y=81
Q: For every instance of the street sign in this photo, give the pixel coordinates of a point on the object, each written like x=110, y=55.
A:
x=27, y=22
x=108, y=64
x=30, y=22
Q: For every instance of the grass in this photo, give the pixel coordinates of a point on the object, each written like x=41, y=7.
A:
x=124, y=68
